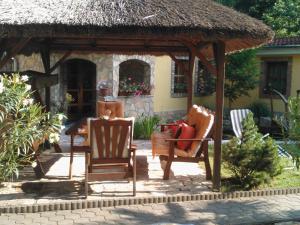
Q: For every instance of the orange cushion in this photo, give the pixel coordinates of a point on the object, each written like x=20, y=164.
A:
x=187, y=132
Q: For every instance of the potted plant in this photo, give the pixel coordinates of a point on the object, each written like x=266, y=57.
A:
x=104, y=88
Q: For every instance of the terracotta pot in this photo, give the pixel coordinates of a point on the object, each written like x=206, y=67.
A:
x=103, y=92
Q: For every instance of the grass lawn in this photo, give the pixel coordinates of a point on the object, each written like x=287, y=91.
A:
x=289, y=177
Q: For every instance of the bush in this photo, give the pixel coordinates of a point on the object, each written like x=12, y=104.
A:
x=252, y=159
x=291, y=129
x=22, y=122
x=260, y=109
x=144, y=126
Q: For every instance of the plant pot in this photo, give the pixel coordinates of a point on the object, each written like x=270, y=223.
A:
x=103, y=92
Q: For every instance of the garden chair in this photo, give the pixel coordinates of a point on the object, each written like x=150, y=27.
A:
x=110, y=151
x=164, y=145
x=104, y=109
x=237, y=116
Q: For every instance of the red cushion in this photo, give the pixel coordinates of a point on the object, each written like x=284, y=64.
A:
x=175, y=128
x=187, y=132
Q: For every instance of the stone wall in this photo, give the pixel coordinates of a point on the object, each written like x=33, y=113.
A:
x=170, y=116
x=107, y=68
x=118, y=59
x=103, y=64
x=138, y=105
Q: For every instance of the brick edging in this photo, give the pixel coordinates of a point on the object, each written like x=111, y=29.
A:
x=83, y=204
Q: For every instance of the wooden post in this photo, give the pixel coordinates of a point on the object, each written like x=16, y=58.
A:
x=45, y=54
x=219, y=54
x=190, y=80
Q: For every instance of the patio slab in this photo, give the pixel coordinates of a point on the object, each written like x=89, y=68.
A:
x=185, y=178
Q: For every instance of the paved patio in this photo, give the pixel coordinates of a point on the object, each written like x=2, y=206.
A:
x=186, y=178
x=258, y=211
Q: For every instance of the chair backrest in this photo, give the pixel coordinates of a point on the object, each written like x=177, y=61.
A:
x=110, y=139
x=237, y=116
x=116, y=108
x=202, y=119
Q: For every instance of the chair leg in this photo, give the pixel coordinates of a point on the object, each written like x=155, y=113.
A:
x=134, y=173
x=86, y=187
x=71, y=164
x=206, y=161
x=167, y=169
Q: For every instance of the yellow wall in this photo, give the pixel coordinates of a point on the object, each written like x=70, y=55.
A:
x=164, y=102
x=162, y=88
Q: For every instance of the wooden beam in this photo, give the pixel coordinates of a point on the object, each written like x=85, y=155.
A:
x=59, y=62
x=179, y=63
x=121, y=49
x=219, y=54
x=192, y=57
x=14, y=51
x=207, y=64
x=45, y=55
x=203, y=59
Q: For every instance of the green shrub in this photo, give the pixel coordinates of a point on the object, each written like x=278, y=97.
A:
x=291, y=129
x=260, y=109
x=22, y=122
x=144, y=126
x=252, y=159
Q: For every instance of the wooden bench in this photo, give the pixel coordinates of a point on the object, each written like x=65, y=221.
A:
x=164, y=144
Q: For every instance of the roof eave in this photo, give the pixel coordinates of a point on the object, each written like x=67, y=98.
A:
x=279, y=51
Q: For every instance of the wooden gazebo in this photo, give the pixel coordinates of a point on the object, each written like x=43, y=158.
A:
x=194, y=28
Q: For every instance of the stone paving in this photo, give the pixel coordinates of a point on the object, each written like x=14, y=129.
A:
x=186, y=178
x=267, y=210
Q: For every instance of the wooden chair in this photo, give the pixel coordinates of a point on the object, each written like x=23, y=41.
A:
x=110, y=149
x=237, y=116
x=164, y=145
x=116, y=108
x=108, y=109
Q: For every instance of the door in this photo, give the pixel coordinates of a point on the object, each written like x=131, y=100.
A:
x=80, y=83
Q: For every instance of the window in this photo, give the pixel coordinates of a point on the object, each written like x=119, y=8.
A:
x=134, y=78
x=179, y=84
x=276, y=73
x=205, y=82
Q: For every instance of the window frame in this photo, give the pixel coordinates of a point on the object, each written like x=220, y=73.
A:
x=263, y=77
x=173, y=75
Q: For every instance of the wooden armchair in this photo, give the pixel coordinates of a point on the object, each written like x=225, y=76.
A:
x=164, y=145
x=110, y=151
x=104, y=109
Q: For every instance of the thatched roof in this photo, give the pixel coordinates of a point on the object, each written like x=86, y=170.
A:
x=204, y=19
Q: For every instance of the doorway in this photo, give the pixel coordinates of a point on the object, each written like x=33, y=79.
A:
x=80, y=83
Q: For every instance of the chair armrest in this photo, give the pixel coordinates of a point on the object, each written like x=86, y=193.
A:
x=162, y=126
x=169, y=124
x=266, y=135
x=188, y=139
x=133, y=148
x=83, y=148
